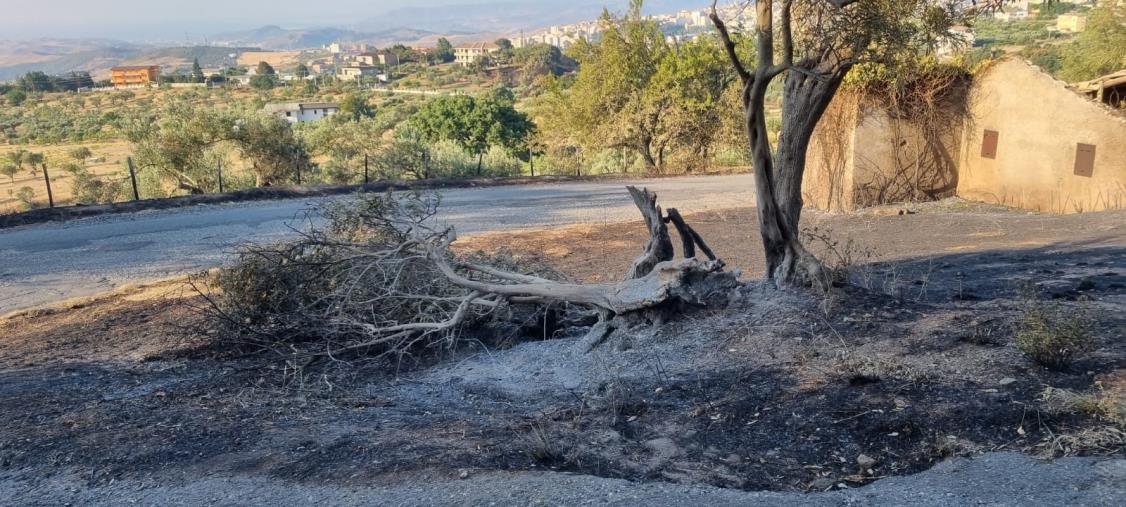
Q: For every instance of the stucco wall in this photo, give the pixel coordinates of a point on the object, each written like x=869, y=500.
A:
x=861, y=155
x=898, y=160
x=827, y=184
x=1040, y=124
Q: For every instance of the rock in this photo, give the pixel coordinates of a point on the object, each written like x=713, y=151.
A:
x=663, y=448
x=822, y=484
x=865, y=461
x=463, y=474
x=733, y=459
x=1007, y=381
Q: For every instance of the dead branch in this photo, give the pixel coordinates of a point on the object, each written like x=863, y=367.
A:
x=659, y=248
x=689, y=238
x=378, y=281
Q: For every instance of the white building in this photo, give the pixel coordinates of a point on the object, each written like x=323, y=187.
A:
x=469, y=54
x=357, y=71
x=301, y=112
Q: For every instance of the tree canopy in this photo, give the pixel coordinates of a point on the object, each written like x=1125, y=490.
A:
x=476, y=123
x=197, y=72
x=444, y=51
x=1100, y=49
x=185, y=144
x=637, y=92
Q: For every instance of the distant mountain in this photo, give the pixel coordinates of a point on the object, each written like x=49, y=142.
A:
x=424, y=24
x=59, y=56
x=278, y=38
x=98, y=60
x=510, y=17
x=421, y=25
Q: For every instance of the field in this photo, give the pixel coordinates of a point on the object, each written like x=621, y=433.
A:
x=283, y=61
x=54, y=124
x=786, y=392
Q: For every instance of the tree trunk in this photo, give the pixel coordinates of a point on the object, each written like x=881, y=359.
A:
x=805, y=99
x=480, y=163
x=778, y=178
x=647, y=154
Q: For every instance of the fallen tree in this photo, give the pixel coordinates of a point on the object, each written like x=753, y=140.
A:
x=379, y=279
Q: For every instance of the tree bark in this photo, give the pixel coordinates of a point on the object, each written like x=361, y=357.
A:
x=810, y=85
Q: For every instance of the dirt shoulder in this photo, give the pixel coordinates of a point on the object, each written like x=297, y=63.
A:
x=112, y=398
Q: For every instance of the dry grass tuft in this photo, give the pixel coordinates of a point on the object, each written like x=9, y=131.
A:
x=1053, y=337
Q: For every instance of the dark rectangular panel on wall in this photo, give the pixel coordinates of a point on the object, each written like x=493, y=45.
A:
x=1085, y=160
x=989, y=144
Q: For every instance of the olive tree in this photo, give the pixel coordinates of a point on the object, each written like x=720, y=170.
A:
x=812, y=47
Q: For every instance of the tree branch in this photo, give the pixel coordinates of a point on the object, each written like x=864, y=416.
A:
x=728, y=44
x=787, y=34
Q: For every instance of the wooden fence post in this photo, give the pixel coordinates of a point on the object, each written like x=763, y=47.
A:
x=133, y=179
x=220, y=176
x=47, y=180
x=365, y=168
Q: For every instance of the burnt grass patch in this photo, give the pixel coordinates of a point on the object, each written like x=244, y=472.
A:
x=775, y=393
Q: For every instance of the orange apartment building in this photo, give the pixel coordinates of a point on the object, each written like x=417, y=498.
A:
x=138, y=75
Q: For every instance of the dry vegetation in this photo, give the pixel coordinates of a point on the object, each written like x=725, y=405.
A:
x=107, y=161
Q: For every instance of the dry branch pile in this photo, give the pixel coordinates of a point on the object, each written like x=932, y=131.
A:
x=379, y=279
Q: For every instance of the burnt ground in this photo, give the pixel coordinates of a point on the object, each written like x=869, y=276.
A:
x=784, y=391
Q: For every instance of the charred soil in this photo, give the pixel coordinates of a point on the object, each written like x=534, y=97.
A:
x=785, y=391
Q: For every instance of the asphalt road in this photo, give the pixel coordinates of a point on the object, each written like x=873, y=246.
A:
x=45, y=263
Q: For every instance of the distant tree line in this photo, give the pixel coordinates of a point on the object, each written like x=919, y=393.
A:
x=38, y=81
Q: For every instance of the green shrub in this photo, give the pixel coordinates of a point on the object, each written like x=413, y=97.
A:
x=26, y=197
x=1053, y=338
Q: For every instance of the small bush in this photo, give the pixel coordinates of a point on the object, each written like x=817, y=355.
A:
x=26, y=197
x=91, y=189
x=1052, y=338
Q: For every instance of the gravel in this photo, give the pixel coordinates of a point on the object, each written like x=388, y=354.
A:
x=997, y=479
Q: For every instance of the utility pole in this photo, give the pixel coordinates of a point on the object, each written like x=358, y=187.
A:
x=133, y=178
x=47, y=179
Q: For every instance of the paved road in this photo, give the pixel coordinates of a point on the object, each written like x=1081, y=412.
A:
x=51, y=262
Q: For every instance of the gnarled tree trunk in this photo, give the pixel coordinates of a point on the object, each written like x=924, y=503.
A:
x=806, y=96
x=655, y=286
x=810, y=86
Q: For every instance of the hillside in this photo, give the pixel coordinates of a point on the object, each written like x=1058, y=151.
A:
x=97, y=61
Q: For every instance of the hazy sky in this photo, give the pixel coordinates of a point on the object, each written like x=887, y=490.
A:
x=169, y=19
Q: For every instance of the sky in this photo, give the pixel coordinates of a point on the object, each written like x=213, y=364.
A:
x=177, y=19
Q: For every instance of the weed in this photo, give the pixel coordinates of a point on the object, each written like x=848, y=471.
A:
x=539, y=444
x=1052, y=337
x=1106, y=405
